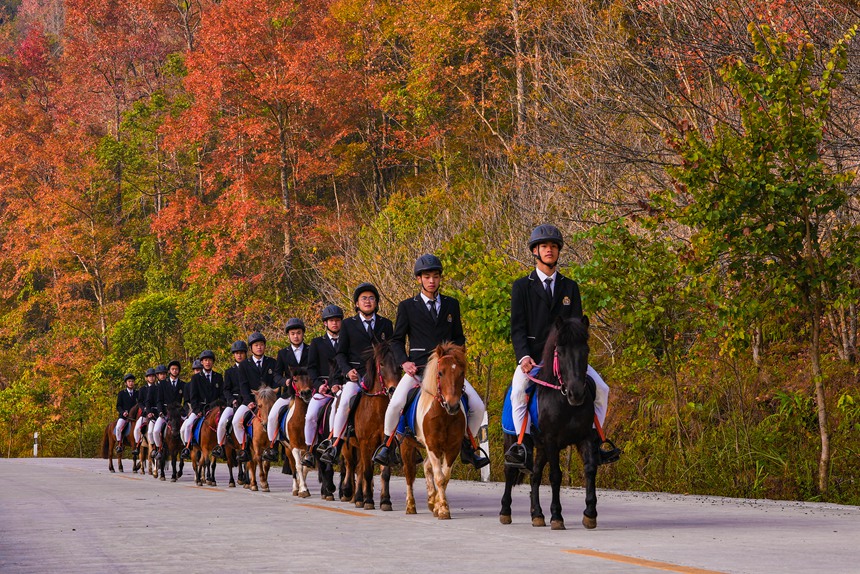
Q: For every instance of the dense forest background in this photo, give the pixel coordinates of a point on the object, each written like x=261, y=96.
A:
x=176, y=174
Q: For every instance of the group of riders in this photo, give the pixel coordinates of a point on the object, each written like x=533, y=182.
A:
x=335, y=362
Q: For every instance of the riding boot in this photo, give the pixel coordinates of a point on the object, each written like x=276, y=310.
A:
x=218, y=451
x=118, y=447
x=471, y=455
x=136, y=450
x=270, y=454
x=607, y=452
x=242, y=455
x=332, y=452
x=386, y=456
x=157, y=454
x=186, y=453
x=308, y=460
x=520, y=455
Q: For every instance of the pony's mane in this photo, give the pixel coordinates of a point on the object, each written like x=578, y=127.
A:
x=428, y=382
x=565, y=333
x=265, y=396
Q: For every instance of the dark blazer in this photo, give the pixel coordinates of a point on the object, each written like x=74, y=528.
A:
x=532, y=313
x=251, y=378
x=319, y=354
x=230, y=390
x=415, y=322
x=167, y=395
x=149, y=399
x=201, y=393
x=125, y=401
x=287, y=359
x=353, y=344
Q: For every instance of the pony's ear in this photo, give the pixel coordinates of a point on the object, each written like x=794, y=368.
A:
x=559, y=322
x=292, y=373
x=439, y=350
x=585, y=320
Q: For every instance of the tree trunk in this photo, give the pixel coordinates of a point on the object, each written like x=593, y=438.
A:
x=820, y=399
x=285, y=199
x=518, y=63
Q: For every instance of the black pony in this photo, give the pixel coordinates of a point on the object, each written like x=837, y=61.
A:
x=565, y=417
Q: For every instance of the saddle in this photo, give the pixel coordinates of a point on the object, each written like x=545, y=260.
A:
x=282, y=423
x=195, y=433
x=406, y=425
x=248, y=423
x=533, y=403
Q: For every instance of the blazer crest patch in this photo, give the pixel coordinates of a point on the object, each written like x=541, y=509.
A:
x=450, y=319
x=566, y=300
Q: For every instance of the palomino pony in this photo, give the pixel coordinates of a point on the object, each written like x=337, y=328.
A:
x=172, y=444
x=295, y=444
x=440, y=425
x=265, y=398
x=565, y=417
x=145, y=449
x=201, y=452
x=109, y=440
x=380, y=380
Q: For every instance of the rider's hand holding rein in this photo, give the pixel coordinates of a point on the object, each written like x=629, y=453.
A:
x=527, y=364
x=409, y=368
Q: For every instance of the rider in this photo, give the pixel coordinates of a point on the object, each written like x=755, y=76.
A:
x=321, y=353
x=145, y=413
x=292, y=356
x=171, y=392
x=196, y=367
x=254, y=372
x=231, y=394
x=429, y=319
x=125, y=401
x=203, y=390
x=536, y=301
x=357, y=335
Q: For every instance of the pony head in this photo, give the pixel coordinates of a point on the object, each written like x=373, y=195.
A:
x=302, y=384
x=382, y=369
x=264, y=397
x=566, y=351
x=445, y=376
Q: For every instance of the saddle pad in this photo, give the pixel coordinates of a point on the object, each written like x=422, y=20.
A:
x=406, y=425
x=198, y=424
x=249, y=425
x=127, y=428
x=508, y=416
x=282, y=423
x=323, y=420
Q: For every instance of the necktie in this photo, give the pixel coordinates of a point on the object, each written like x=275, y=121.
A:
x=548, y=283
x=209, y=377
x=431, y=304
x=334, y=343
x=369, y=323
x=259, y=363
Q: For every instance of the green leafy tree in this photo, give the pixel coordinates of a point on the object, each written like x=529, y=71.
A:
x=759, y=197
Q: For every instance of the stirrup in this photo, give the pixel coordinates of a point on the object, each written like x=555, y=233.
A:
x=323, y=446
x=242, y=456
x=218, y=451
x=608, y=452
x=118, y=448
x=308, y=460
x=516, y=456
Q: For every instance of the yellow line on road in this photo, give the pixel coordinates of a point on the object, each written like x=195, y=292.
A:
x=666, y=566
x=128, y=477
x=340, y=510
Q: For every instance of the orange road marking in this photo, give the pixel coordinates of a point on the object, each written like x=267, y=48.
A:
x=128, y=477
x=340, y=510
x=641, y=562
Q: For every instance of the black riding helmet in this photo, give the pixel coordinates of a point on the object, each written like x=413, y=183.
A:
x=128, y=376
x=196, y=364
x=207, y=355
x=294, y=323
x=174, y=362
x=255, y=337
x=160, y=369
x=363, y=288
x=427, y=262
x=545, y=233
x=239, y=347
x=332, y=312
x=150, y=371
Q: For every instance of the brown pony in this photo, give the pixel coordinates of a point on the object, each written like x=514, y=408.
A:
x=201, y=453
x=295, y=421
x=109, y=440
x=145, y=448
x=439, y=427
x=265, y=398
x=172, y=444
x=382, y=376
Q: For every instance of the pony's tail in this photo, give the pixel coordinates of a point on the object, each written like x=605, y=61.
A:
x=106, y=443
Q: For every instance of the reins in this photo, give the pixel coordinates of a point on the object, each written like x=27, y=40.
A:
x=556, y=372
x=381, y=380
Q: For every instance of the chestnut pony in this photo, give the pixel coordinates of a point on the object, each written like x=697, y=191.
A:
x=295, y=422
x=264, y=397
x=109, y=440
x=440, y=425
x=201, y=453
x=172, y=445
x=381, y=378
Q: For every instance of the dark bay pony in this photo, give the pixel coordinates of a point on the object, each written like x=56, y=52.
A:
x=201, y=452
x=145, y=450
x=440, y=424
x=295, y=444
x=264, y=397
x=109, y=440
x=565, y=417
x=172, y=444
x=381, y=378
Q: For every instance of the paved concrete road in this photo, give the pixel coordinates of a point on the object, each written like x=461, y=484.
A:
x=70, y=515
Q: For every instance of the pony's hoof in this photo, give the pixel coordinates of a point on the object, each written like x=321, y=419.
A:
x=410, y=509
x=304, y=494
x=231, y=485
x=179, y=475
x=112, y=470
x=266, y=489
x=329, y=498
x=359, y=504
x=162, y=479
x=386, y=507
x=369, y=506
x=590, y=523
x=211, y=483
x=444, y=515
x=248, y=486
x=557, y=525
x=538, y=521
x=254, y=488
x=504, y=519
x=345, y=499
